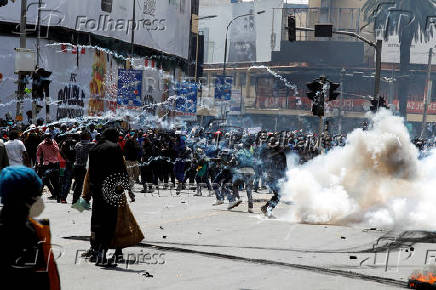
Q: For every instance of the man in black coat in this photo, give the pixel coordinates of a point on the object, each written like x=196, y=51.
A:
x=105, y=160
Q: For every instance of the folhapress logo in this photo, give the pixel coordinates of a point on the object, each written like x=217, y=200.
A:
x=107, y=23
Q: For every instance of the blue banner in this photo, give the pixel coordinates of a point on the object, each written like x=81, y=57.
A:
x=186, y=97
x=223, y=88
x=129, y=87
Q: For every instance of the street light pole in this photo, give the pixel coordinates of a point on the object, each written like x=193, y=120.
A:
x=226, y=45
x=378, y=53
x=21, y=75
x=197, y=45
x=132, y=44
x=341, y=103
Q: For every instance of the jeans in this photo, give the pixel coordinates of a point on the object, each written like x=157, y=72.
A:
x=246, y=179
x=50, y=178
x=79, y=173
x=66, y=180
x=223, y=178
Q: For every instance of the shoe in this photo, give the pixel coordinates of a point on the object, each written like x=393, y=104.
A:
x=88, y=254
x=218, y=202
x=93, y=258
x=52, y=197
x=63, y=201
x=250, y=210
x=132, y=196
x=144, y=191
x=118, y=259
x=107, y=263
x=267, y=211
x=198, y=194
x=264, y=210
x=102, y=261
x=234, y=204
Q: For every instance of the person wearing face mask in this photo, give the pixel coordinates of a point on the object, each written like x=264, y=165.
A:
x=27, y=260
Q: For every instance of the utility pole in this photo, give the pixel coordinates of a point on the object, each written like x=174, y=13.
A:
x=427, y=94
x=34, y=111
x=341, y=103
x=378, y=49
x=21, y=75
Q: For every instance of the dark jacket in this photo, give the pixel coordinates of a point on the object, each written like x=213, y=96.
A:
x=105, y=159
x=4, y=159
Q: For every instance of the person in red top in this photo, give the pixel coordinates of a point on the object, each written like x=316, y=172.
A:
x=121, y=142
x=47, y=157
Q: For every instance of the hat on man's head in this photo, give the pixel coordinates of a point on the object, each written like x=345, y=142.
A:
x=19, y=184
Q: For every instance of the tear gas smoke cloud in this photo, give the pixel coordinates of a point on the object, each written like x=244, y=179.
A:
x=376, y=179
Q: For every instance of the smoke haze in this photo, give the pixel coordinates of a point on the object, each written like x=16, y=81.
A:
x=376, y=179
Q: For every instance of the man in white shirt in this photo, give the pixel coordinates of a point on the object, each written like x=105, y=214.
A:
x=16, y=150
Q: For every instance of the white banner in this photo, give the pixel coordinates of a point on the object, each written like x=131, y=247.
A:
x=161, y=25
x=418, y=51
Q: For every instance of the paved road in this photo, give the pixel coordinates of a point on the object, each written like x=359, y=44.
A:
x=197, y=246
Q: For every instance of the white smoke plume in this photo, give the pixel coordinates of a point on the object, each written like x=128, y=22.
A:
x=375, y=179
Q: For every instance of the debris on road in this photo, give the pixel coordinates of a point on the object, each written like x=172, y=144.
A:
x=147, y=275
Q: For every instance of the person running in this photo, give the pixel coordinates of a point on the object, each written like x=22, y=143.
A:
x=275, y=166
x=79, y=169
x=244, y=173
x=47, y=155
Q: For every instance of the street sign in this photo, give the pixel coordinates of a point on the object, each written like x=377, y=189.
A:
x=129, y=87
x=323, y=30
x=223, y=88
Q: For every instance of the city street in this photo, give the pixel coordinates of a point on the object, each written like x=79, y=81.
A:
x=199, y=246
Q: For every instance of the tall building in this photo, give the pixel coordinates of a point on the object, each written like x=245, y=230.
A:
x=89, y=44
x=274, y=89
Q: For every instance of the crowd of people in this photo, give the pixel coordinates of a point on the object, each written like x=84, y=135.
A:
x=223, y=162
x=101, y=162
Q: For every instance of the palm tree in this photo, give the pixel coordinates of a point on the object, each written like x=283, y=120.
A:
x=410, y=19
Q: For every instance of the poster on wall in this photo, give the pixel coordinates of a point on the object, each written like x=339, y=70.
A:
x=97, y=84
x=223, y=88
x=186, y=98
x=71, y=100
x=243, y=34
x=129, y=88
